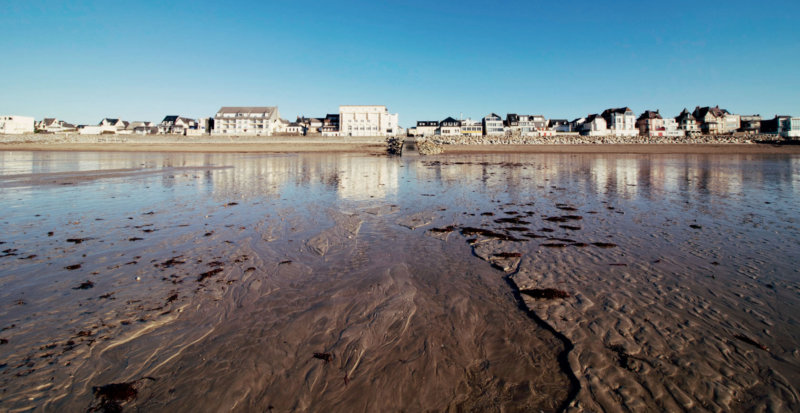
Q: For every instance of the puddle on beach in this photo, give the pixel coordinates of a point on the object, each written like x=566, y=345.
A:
x=340, y=282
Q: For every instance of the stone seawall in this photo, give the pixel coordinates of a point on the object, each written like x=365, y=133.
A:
x=584, y=140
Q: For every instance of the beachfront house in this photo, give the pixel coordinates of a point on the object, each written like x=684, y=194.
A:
x=367, y=120
x=426, y=127
x=492, y=125
x=784, y=126
x=246, y=120
x=559, y=125
x=532, y=124
x=449, y=127
x=311, y=126
x=651, y=124
x=471, y=127
x=687, y=123
x=715, y=120
x=141, y=128
x=53, y=125
x=594, y=125
x=176, y=125
x=749, y=123
x=620, y=122
x=16, y=125
x=330, y=125
x=112, y=125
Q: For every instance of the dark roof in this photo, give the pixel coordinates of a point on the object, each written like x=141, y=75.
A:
x=170, y=118
x=110, y=120
x=493, y=115
x=427, y=123
x=649, y=114
x=450, y=120
x=716, y=111
x=592, y=117
x=684, y=114
x=512, y=117
x=557, y=122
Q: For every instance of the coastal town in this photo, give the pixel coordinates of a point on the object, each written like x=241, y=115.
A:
x=376, y=120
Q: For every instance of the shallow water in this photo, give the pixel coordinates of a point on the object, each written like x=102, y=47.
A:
x=211, y=280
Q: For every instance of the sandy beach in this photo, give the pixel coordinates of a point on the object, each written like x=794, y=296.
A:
x=342, y=281
x=301, y=144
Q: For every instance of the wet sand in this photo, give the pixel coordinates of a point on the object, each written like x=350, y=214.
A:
x=346, y=282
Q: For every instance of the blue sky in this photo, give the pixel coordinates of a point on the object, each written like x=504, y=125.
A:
x=81, y=61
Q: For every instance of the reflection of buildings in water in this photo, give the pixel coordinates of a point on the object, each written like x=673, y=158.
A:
x=364, y=178
x=351, y=176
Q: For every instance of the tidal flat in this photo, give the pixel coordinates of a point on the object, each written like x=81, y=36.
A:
x=361, y=282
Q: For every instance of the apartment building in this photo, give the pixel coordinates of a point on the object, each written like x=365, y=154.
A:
x=620, y=122
x=493, y=125
x=246, y=120
x=367, y=120
x=15, y=125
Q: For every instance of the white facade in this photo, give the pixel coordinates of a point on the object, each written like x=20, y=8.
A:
x=367, y=120
x=621, y=122
x=470, y=127
x=595, y=126
x=246, y=120
x=532, y=124
x=493, y=125
x=15, y=125
x=792, y=128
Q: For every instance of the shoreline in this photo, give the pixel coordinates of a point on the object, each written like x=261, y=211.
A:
x=378, y=148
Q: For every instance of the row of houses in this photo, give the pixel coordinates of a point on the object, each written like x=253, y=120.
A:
x=375, y=120
x=352, y=120
x=620, y=122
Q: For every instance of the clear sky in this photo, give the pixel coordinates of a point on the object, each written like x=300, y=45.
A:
x=141, y=60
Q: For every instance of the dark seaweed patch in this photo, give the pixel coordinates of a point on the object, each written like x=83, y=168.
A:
x=171, y=262
x=231, y=204
x=208, y=274
x=446, y=229
x=546, y=230
x=604, y=244
x=750, y=341
x=545, y=293
x=327, y=357
x=695, y=226
x=565, y=207
x=72, y=267
x=285, y=262
x=570, y=227
x=487, y=214
x=84, y=285
x=507, y=255
x=512, y=220
x=132, y=239
x=77, y=240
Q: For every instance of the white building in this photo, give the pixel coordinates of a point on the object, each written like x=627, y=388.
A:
x=471, y=127
x=246, y=120
x=595, y=125
x=621, y=122
x=449, y=127
x=53, y=125
x=15, y=125
x=367, y=120
x=426, y=127
x=493, y=125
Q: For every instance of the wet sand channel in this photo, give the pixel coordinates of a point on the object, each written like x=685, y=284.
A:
x=347, y=282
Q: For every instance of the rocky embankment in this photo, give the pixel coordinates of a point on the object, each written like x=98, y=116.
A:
x=583, y=140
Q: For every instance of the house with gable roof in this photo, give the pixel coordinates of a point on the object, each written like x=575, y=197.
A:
x=620, y=121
